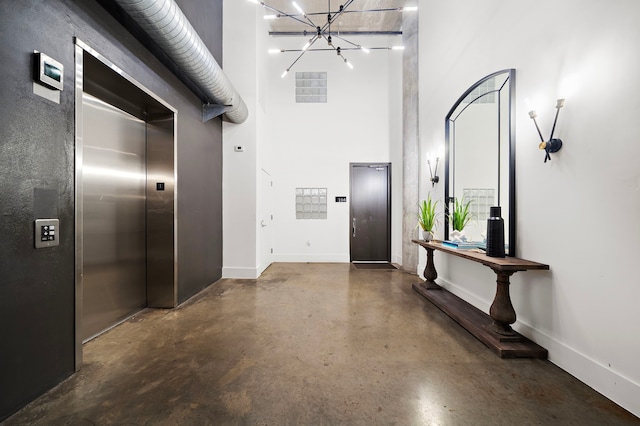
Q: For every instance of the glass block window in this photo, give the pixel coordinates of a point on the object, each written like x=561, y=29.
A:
x=311, y=87
x=311, y=203
x=487, y=89
x=482, y=199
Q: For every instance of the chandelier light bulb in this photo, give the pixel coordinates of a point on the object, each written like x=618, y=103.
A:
x=274, y=51
x=270, y=17
x=298, y=8
x=284, y=73
x=349, y=64
x=397, y=48
x=306, y=46
x=364, y=49
x=410, y=9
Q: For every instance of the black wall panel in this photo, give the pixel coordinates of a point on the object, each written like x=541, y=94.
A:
x=37, y=141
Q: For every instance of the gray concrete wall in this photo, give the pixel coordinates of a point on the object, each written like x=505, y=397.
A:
x=37, y=180
x=410, y=141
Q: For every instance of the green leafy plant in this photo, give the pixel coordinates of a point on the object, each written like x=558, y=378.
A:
x=427, y=215
x=461, y=215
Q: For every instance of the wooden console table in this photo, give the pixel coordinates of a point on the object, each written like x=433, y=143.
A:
x=494, y=330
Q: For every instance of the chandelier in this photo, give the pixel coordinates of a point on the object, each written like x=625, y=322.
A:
x=323, y=31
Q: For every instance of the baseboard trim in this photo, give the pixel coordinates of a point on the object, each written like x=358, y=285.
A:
x=603, y=379
x=240, y=273
x=312, y=258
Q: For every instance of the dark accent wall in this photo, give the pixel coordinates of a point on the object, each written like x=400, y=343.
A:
x=37, y=141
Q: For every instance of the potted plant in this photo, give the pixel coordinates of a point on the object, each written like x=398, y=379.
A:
x=428, y=217
x=459, y=218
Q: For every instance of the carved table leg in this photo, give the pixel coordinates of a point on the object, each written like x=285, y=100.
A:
x=501, y=310
x=430, y=273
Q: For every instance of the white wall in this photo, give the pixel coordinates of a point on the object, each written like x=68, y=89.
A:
x=313, y=144
x=579, y=213
x=240, y=169
x=302, y=145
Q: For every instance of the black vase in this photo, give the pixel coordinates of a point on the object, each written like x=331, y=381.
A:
x=495, y=233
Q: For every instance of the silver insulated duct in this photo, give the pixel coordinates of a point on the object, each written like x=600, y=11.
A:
x=167, y=26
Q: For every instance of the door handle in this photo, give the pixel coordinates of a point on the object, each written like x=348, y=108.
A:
x=263, y=224
x=354, y=227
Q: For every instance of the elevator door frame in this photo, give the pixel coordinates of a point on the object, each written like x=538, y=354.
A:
x=98, y=76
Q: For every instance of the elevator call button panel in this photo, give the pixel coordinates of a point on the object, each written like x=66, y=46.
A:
x=47, y=233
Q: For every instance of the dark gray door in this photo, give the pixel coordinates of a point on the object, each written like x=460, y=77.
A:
x=370, y=212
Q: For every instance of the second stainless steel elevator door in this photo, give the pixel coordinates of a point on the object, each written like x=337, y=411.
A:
x=114, y=205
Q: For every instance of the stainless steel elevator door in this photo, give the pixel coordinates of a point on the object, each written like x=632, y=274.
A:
x=114, y=206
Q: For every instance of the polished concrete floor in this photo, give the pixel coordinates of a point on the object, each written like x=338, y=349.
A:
x=310, y=344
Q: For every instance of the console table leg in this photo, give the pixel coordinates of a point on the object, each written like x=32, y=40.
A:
x=430, y=273
x=501, y=310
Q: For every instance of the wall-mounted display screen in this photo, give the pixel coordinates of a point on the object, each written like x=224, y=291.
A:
x=48, y=71
x=53, y=72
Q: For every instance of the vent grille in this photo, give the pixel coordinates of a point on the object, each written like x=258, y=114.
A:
x=311, y=87
x=311, y=203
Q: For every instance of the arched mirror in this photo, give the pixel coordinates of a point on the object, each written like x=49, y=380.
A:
x=480, y=155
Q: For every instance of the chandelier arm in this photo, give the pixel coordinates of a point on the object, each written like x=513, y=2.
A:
x=347, y=4
x=282, y=14
x=345, y=60
x=313, y=40
x=329, y=18
x=327, y=49
x=347, y=41
x=336, y=16
x=297, y=59
x=327, y=40
x=309, y=20
x=321, y=49
x=344, y=10
x=391, y=9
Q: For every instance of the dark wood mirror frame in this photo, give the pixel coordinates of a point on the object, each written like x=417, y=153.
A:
x=510, y=219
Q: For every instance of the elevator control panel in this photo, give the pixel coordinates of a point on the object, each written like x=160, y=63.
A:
x=47, y=233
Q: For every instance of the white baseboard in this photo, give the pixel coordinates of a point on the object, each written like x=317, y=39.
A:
x=603, y=379
x=240, y=273
x=312, y=258
x=610, y=383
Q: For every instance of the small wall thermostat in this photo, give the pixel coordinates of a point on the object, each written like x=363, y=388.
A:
x=48, y=71
x=47, y=233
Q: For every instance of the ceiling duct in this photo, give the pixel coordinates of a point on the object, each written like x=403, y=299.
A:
x=168, y=27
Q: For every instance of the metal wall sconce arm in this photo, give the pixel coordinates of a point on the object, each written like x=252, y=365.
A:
x=434, y=178
x=552, y=145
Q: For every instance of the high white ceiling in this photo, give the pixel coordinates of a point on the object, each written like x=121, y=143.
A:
x=352, y=21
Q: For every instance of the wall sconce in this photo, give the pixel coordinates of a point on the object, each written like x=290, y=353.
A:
x=552, y=145
x=434, y=175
